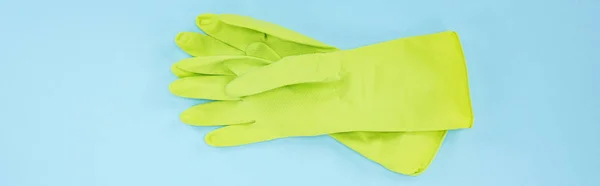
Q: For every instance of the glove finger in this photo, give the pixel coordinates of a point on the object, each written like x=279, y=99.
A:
x=220, y=65
x=197, y=44
x=216, y=113
x=261, y=50
x=288, y=71
x=202, y=87
x=182, y=73
x=236, y=135
x=241, y=31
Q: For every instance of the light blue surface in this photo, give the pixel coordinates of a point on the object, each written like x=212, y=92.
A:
x=84, y=98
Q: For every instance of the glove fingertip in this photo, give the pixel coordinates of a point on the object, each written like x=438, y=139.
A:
x=220, y=138
x=181, y=73
x=205, y=19
x=209, y=139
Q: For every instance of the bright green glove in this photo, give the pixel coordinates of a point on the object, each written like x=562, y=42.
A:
x=411, y=84
x=231, y=37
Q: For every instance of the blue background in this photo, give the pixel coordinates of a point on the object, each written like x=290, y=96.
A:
x=84, y=98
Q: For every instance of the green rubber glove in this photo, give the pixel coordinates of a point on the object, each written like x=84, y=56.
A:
x=222, y=60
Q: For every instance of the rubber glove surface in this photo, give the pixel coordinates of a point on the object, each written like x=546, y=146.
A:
x=223, y=55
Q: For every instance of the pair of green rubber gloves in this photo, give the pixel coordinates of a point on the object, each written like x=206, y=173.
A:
x=393, y=102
